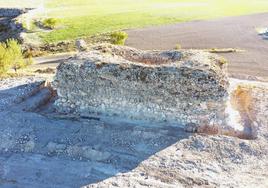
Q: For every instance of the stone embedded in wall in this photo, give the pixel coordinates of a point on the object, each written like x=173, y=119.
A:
x=184, y=86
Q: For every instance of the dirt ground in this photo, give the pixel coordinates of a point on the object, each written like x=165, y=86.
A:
x=232, y=32
x=40, y=148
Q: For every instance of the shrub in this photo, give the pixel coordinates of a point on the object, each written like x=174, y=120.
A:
x=50, y=23
x=4, y=59
x=223, y=61
x=177, y=47
x=119, y=37
x=15, y=54
x=11, y=56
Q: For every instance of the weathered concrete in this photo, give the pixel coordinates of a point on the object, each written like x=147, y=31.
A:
x=175, y=86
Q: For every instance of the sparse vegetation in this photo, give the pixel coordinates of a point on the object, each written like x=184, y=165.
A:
x=4, y=59
x=223, y=61
x=119, y=37
x=30, y=53
x=177, y=47
x=11, y=56
x=224, y=50
x=50, y=23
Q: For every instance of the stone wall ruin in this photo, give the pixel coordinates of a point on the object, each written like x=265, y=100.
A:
x=184, y=87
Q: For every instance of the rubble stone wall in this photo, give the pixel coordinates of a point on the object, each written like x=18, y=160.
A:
x=174, y=86
x=11, y=12
x=12, y=22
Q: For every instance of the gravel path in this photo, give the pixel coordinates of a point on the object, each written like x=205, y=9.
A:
x=231, y=32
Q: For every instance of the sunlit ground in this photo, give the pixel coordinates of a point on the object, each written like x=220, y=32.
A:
x=81, y=18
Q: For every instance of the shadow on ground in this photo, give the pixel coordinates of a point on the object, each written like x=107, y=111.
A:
x=40, y=150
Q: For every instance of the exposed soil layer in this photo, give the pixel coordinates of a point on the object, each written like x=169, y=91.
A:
x=243, y=102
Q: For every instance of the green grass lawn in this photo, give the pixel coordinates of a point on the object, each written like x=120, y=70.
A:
x=81, y=18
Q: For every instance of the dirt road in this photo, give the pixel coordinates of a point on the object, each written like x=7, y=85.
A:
x=51, y=61
x=231, y=32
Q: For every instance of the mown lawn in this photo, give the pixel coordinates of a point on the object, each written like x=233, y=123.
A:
x=81, y=18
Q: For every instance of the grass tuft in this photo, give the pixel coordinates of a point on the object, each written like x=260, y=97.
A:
x=178, y=47
x=50, y=23
x=119, y=37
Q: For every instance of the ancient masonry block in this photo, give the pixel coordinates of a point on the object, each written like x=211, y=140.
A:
x=184, y=86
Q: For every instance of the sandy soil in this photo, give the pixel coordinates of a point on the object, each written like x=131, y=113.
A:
x=232, y=32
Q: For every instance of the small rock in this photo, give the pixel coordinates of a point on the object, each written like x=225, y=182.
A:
x=81, y=45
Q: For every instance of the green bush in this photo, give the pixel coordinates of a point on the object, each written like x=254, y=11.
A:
x=11, y=56
x=223, y=61
x=4, y=59
x=50, y=23
x=177, y=47
x=119, y=37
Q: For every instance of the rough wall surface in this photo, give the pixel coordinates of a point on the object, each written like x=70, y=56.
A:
x=11, y=12
x=174, y=86
x=12, y=23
